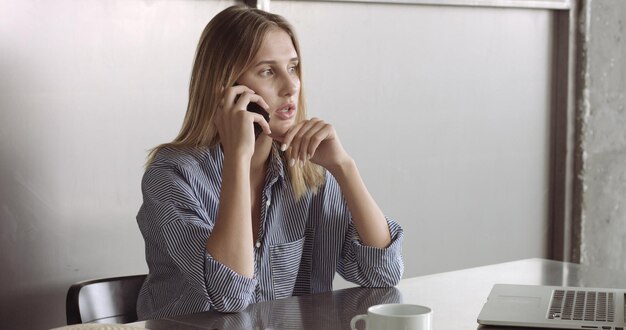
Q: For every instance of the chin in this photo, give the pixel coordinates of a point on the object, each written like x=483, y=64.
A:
x=282, y=128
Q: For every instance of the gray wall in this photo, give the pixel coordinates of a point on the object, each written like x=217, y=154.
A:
x=445, y=110
x=602, y=114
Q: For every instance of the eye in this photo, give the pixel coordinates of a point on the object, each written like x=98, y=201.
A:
x=266, y=72
x=293, y=68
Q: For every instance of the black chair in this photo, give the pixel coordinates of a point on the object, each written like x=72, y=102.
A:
x=105, y=300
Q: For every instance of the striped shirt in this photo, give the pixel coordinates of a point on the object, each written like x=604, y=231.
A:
x=301, y=243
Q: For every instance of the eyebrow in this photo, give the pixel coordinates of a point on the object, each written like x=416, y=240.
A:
x=293, y=59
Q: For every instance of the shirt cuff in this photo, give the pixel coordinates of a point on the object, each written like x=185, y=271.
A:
x=381, y=257
x=381, y=267
x=228, y=290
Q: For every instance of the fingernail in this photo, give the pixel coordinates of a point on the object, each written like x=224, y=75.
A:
x=292, y=162
x=283, y=147
x=300, y=163
x=308, y=156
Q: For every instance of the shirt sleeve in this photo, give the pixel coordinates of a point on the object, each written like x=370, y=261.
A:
x=371, y=266
x=181, y=225
x=360, y=264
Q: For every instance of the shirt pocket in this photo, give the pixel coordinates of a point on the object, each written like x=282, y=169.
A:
x=285, y=262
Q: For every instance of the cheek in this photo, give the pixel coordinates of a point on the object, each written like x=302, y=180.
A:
x=261, y=89
x=258, y=89
x=249, y=81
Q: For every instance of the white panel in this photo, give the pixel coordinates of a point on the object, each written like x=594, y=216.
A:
x=543, y=4
x=446, y=111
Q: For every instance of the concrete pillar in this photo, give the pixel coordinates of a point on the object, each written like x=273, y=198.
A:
x=602, y=135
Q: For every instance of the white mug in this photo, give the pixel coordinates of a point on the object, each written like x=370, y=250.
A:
x=395, y=316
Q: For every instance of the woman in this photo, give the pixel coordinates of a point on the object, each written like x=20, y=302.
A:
x=229, y=218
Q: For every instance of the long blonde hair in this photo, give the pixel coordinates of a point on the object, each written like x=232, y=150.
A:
x=225, y=51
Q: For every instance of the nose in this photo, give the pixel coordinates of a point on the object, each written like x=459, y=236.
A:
x=290, y=85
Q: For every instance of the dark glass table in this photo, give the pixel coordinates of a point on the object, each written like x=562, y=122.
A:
x=456, y=298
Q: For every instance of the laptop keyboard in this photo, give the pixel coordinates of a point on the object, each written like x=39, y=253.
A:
x=582, y=305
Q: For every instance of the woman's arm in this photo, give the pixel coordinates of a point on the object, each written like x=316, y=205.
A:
x=317, y=141
x=231, y=241
x=368, y=219
x=176, y=219
x=358, y=263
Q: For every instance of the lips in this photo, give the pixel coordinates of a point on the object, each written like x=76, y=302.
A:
x=285, y=111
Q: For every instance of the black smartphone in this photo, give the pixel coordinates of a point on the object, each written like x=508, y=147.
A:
x=253, y=107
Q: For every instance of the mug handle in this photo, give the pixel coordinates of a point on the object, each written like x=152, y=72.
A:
x=356, y=319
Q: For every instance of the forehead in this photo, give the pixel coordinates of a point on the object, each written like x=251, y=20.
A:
x=277, y=45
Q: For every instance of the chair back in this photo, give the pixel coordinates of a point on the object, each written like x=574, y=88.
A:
x=105, y=300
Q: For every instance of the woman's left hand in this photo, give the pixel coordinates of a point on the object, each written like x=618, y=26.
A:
x=315, y=140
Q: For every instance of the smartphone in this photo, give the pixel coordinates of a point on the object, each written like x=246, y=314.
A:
x=253, y=107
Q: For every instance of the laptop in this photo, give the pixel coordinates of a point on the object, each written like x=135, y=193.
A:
x=535, y=306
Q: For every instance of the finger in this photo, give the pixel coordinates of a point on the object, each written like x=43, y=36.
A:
x=287, y=141
x=290, y=134
x=260, y=101
x=259, y=119
x=233, y=94
x=301, y=138
x=247, y=98
x=314, y=138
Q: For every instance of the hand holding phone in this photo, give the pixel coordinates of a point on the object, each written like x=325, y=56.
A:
x=253, y=107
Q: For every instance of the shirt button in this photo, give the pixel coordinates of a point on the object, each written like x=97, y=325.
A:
x=267, y=203
x=257, y=244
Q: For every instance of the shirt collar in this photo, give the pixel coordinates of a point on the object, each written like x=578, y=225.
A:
x=276, y=167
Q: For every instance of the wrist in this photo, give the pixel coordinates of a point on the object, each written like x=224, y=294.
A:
x=236, y=155
x=237, y=163
x=343, y=169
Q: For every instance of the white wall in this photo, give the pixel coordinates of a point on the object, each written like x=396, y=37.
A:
x=445, y=110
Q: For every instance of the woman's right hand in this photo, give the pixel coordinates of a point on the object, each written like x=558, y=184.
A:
x=235, y=124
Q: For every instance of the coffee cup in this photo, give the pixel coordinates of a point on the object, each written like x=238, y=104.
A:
x=395, y=316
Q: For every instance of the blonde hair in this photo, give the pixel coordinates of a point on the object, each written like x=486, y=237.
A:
x=225, y=51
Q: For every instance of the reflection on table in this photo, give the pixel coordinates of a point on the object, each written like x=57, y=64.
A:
x=456, y=298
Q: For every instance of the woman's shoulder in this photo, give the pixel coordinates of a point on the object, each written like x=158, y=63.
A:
x=180, y=168
x=185, y=157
